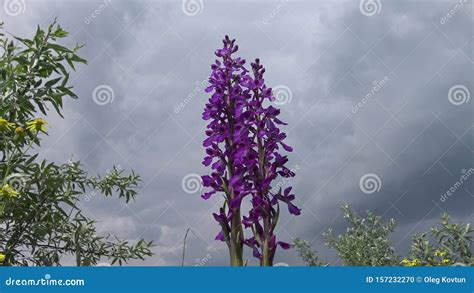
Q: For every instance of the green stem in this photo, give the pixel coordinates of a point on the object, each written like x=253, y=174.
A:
x=184, y=246
x=236, y=241
x=266, y=259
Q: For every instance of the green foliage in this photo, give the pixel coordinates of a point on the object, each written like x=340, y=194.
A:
x=309, y=256
x=34, y=76
x=365, y=242
x=448, y=244
x=39, y=215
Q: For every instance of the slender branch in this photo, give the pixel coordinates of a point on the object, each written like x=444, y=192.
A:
x=184, y=246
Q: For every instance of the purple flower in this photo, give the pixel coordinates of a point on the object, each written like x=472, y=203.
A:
x=243, y=149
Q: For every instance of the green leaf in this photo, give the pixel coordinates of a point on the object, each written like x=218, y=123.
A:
x=52, y=82
x=76, y=58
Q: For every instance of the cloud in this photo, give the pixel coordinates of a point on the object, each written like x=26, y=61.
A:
x=331, y=57
x=120, y=226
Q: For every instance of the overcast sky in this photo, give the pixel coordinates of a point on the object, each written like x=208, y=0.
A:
x=374, y=93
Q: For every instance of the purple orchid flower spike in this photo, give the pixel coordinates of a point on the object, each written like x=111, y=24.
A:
x=243, y=147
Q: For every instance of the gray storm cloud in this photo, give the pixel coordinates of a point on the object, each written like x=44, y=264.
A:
x=366, y=92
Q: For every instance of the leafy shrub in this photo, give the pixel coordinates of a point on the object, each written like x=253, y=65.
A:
x=309, y=256
x=365, y=242
x=451, y=244
x=40, y=220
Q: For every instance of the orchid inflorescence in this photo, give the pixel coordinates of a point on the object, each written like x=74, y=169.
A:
x=243, y=147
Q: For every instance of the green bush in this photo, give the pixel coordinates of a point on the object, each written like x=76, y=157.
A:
x=448, y=244
x=365, y=242
x=40, y=220
x=309, y=256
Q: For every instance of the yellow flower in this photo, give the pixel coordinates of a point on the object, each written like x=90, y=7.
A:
x=5, y=125
x=19, y=130
x=36, y=125
x=440, y=253
x=446, y=261
x=411, y=263
x=8, y=192
x=2, y=257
